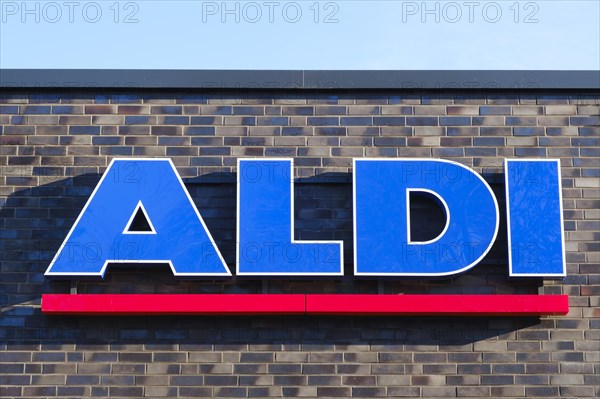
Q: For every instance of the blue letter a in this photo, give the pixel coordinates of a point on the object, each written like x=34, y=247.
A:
x=173, y=232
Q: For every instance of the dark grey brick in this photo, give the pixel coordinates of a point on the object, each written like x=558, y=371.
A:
x=198, y=380
x=371, y=392
x=200, y=130
x=13, y=368
x=100, y=109
x=462, y=131
x=248, y=110
x=585, y=120
x=455, y=141
x=83, y=380
x=84, y=129
x=489, y=141
x=133, y=109
x=67, y=109
x=20, y=357
x=521, y=120
x=263, y=392
x=448, y=152
x=266, y=357
x=214, y=151
x=586, y=142
x=508, y=368
x=318, y=369
x=49, y=357
x=116, y=150
x=583, y=131
x=439, y=368
x=117, y=380
x=358, y=380
x=12, y=141
x=39, y=391
x=183, y=151
x=284, y=368
x=165, y=130
x=542, y=391
x=494, y=110
x=374, y=131
x=73, y=391
x=336, y=392
x=217, y=110
x=315, y=380
x=135, y=357
x=481, y=152
x=130, y=130
x=205, y=120
x=230, y=392
x=296, y=131
x=298, y=110
x=392, y=121
x=174, y=141
x=126, y=391
x=529, y=131
x=9, y=109
x=404, y=391
x=422, y=121
x=240, y=121
x=323, y=121
x=488, y=121
x=331, y=110
x=139, y=120
x=167, y=109
x=35, y=109
x=283, y=380
x=330, y=131
x=356, y=121
x=273, y=121
x=389, y=141
x=455, y=121
x=107, y=140
x=497, y=380
x=474, y=369
x=280, y=151
x=174, y=120
x=18, y=120
x=6, y=379
x=530, y=152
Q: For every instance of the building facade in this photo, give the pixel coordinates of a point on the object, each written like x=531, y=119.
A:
x=55, y=144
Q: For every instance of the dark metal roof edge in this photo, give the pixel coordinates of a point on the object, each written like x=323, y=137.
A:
x=299, y=79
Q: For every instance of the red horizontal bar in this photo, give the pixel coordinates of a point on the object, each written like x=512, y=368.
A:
x=309, y=304
x=167, y=304
x=438, y=305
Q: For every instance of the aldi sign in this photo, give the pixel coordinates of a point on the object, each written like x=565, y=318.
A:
x=141, y=212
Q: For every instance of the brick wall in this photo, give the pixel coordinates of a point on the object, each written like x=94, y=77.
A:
x=54, y=145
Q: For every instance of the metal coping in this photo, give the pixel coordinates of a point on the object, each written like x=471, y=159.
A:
x=300, y=79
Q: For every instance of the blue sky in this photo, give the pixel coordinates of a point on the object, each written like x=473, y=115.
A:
x=348, y=34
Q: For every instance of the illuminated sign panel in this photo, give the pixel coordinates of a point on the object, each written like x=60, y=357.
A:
x=177, y=235
x=141, y=212
x=535, y=218
x=100, y=235
x=265, y=229
x=382, y=219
